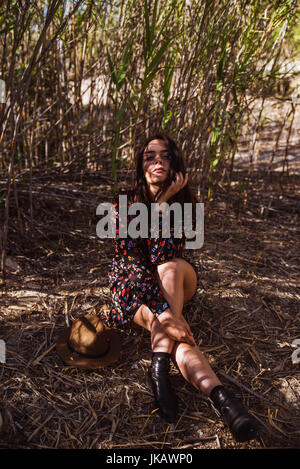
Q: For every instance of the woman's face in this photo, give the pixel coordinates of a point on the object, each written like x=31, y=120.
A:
x=156, y=162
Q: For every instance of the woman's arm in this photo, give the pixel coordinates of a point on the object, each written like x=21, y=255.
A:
x=163, y=249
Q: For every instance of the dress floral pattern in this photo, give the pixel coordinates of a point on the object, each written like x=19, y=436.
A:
x=132, y=277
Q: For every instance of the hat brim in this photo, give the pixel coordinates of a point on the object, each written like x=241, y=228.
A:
x=91, y=363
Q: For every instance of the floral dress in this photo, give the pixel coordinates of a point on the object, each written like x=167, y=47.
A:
x=132, y=277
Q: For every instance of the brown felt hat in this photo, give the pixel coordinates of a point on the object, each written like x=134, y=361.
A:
x=88, y=344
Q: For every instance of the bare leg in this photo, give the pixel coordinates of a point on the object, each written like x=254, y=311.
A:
x=194, y=367
x=177, y=279
x=160, y=341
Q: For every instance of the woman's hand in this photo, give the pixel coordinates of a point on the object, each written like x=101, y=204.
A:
x=176, y=328
x=174, y=187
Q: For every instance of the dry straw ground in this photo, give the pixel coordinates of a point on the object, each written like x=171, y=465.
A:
x=245, y=316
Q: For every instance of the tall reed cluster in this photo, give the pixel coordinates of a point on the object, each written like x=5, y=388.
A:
x=84, y=80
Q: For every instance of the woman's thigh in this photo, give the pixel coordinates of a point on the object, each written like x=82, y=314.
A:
x=144, y=316
x=184, y=268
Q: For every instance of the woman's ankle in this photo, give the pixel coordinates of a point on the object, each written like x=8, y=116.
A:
x=160, y=354
x=208, y=386
x=214, y=390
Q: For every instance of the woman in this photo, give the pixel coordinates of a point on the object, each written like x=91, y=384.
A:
x=150, y=282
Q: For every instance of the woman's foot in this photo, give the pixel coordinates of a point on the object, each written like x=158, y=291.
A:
x=241, y=424
x=158, y=376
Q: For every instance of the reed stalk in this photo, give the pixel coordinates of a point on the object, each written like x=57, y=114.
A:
x=85, y=80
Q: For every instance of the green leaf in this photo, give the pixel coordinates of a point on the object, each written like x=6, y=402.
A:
x=168, y=81
x=156, y=59
x=166, y=118
x=153, y=21
x=163, y=27
x=111, y=68
x=147, y=46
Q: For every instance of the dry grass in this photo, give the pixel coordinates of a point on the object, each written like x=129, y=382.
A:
x=245, y=316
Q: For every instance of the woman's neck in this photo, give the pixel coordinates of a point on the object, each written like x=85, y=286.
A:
x=153, y=189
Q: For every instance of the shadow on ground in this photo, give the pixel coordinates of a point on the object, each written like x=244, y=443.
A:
x=245, y=317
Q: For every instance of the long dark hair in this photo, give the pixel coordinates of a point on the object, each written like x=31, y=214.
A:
x=139, y=192
x=140, y=187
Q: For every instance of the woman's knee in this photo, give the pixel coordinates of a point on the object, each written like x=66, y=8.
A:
x=174, y=267
x=178, y=268
x=181, y=353
x=144, y=317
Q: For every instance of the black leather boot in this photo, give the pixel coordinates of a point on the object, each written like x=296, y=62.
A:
x=241, y=424
x=158, y=377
